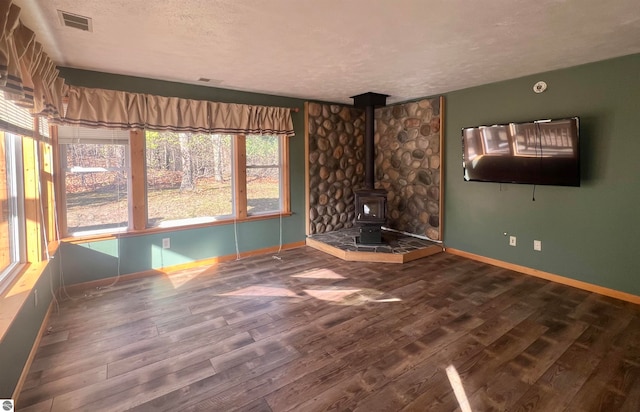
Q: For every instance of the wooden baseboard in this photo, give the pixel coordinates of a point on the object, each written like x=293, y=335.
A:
x=549, y=276
x=79, y=287
x=32, y=353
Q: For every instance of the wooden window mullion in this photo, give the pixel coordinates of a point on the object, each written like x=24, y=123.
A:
x=5, y=246
x=240, y=172
x=137, y=181
x=31, y=200
x=285, y=195
x=60, y=167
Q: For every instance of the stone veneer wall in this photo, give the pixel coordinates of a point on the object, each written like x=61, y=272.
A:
x=336, y=165
x=407, y=164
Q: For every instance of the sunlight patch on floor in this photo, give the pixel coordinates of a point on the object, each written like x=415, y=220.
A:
x=331, y=294
x=458, y=389
x=264, y=291
x=180, y=279
x=349, y=296
x=319, y=274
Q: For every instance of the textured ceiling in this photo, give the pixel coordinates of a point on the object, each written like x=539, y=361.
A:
x=332, y=49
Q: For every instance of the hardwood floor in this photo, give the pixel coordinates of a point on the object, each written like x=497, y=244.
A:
x=311, y=332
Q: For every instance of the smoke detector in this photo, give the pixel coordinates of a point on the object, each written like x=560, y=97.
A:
x=539, y=87
x=75, y=21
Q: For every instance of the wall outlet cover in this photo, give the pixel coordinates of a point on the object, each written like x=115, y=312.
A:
x=537, y=245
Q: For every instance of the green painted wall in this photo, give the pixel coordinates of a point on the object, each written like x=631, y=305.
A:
x=140, y=253
x=17, y=342
x=590, y=233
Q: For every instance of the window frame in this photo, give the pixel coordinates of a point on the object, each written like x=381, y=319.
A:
x=16, y=244
x=279, y=166
x=196, y=220
x=137, y=186
x=241, y=174
x=28, y=153
x=61, y=183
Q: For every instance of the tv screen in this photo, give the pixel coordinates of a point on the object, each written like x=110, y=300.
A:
x=540, y=152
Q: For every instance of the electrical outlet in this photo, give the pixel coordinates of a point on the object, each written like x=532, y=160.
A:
x=537, y=245
x=166, y=243
x=512, y=240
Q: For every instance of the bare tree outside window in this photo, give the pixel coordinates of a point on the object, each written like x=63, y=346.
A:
x=189, y=177
x=95, y=186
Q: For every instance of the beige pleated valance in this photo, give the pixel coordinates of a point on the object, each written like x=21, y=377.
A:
x=117, y=109
x=30, y=79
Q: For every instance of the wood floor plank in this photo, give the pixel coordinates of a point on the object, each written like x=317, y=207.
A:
x=135, y=394
x=210, y=345
x=207, y=388
x=594, y=394
x=67, y=384
x=44, y=406
x=310, y=332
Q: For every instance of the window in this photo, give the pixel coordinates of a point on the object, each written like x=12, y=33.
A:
x=11, y=205
x=96, y=167
x=199, y=178
x=264, y=174
x=14, y=122
x=189, y=177
x=186, y=178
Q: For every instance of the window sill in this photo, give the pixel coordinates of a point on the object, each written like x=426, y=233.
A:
x=14, y=298
x=154, y=230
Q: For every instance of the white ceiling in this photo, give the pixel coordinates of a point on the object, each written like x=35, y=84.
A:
x=332, y=49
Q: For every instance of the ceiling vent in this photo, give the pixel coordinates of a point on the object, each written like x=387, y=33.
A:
x=75, y=21
x=212, y=82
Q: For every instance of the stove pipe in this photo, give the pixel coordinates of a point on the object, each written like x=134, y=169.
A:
x=369, y=101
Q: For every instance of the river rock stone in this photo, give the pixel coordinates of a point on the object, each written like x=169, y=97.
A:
x=315, y=109
x=412, y=122
x=336, y=148
x=345, y=114
x=322, y=157
x=333, y=139
x=409, y=136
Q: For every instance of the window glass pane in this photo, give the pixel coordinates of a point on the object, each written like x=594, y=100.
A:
x=263, y=174
x=96, y=186
x=189, y=177
x=43, y=126
x=11, y=205
x=5, y=210
x=14, y=118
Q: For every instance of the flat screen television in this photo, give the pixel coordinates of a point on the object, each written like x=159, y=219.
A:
x=540, y=152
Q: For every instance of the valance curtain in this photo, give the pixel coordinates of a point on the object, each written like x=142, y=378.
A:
x=28, y=77
x=117, y=109
x=30, y=80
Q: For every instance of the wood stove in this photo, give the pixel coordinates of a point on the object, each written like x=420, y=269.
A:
x=371, y=214
x=371, y=203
